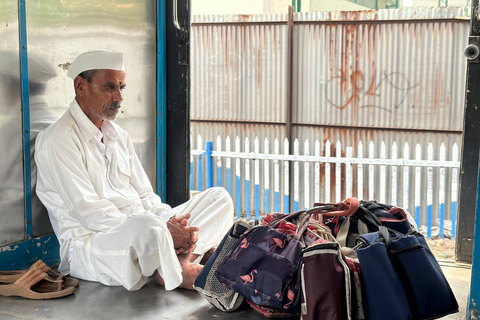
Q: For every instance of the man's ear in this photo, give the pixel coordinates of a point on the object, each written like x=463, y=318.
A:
x=79, y=84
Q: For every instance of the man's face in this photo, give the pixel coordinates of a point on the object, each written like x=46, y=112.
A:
x=100, y=99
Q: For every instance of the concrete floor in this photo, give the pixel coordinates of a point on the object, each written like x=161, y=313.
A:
x=96, y=301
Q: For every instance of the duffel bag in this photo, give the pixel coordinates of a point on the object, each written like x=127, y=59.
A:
x=402, y=278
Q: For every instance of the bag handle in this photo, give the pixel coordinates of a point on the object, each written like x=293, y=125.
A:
x=341, y=209
x=288, y=217
x=367, y=217
x=317, y=209
x=303, y=225
x=326, y=208
x=385, y=235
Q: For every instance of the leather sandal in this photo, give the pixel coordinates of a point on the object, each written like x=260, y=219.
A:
x=36, y=284
x=8, y=277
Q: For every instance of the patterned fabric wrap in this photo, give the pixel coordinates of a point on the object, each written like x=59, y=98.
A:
x=263, y=269
x=269, y=312
x=356, y=282
x=288, y=227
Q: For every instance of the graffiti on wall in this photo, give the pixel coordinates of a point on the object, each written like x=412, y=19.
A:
x=353, y=88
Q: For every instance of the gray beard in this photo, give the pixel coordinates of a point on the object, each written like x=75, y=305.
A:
x=110, y=112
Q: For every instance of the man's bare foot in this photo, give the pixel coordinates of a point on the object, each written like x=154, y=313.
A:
x=205, y=257
x=190, y=272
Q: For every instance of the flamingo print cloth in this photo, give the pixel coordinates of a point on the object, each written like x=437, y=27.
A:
x=263, y=269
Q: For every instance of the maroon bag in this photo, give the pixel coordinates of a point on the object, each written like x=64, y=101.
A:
x=326, y=283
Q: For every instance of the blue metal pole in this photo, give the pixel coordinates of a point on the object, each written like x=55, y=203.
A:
x=441, y=215
x=191, y=175
x=208, y=153
x=161, y=99
x=473, y=309
x=27, y=172
x=200, y=172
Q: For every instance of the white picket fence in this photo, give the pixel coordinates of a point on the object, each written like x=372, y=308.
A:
x=428, y=186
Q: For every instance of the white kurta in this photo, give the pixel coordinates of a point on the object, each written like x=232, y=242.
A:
x=110, y=224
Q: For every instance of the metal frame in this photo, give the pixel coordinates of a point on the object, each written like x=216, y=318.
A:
x=473, y=306
x=471, y=145
x=177, y=129
x=22, y=24
x=161, y=99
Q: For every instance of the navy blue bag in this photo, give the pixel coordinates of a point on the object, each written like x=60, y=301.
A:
x=402, y=278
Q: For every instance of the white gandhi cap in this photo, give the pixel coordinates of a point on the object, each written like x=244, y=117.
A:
x=96, y=59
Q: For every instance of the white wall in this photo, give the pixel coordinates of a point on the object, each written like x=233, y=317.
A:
x=202, y=7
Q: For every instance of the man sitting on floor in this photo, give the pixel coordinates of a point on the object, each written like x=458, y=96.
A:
x=111, y=226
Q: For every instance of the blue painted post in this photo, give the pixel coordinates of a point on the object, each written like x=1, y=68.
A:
x=441, y=215
x=208, y=153
x=200, y=172
x=257, y=202
x=191, y=175
x=247, y=196
x=454, y=219
x=27, y=173
x=473, y=309
x=287, y=203
x=161, y=99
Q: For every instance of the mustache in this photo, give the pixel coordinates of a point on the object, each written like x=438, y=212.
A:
x=114, y=105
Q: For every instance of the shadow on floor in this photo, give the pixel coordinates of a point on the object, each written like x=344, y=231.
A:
x=96, y=301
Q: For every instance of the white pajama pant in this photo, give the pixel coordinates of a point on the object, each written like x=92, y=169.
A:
x=131, y=252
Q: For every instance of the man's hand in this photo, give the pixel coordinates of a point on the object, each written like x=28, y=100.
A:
x=184, y=236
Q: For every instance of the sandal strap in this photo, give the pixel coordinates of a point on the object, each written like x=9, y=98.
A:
x=35, y=275
x=50, y=272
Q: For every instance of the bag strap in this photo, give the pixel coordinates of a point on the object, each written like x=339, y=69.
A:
x=341, y=209
x=322, y=231
x=343, y=232
x=385, y=235
x=367, y=217
x=322, y=209
x=288, y=217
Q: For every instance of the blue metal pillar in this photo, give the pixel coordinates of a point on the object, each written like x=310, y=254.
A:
x=161, y=99
x=27, y=172
x=208, y=153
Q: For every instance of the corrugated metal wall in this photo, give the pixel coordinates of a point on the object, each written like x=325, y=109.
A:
x=388, y=75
